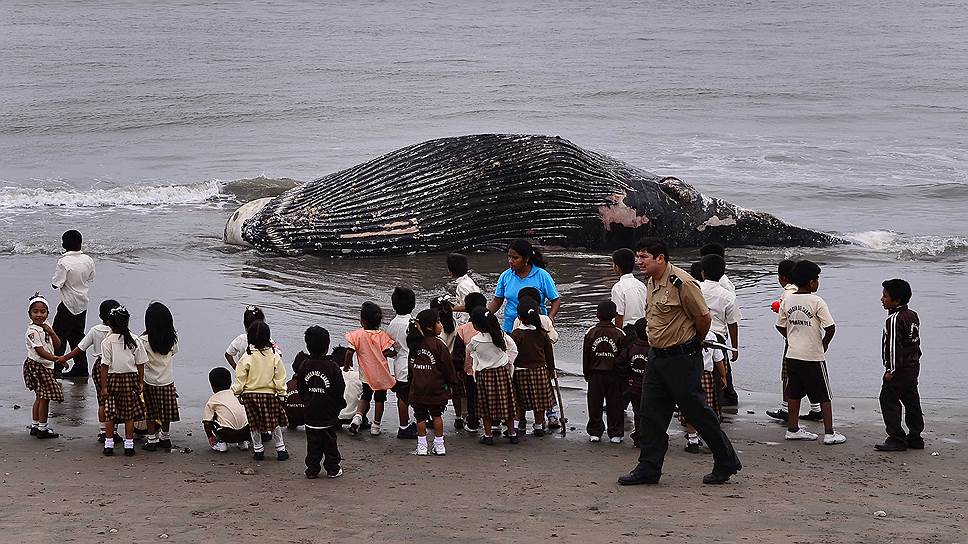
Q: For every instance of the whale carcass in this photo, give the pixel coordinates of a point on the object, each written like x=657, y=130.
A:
x=481, y=191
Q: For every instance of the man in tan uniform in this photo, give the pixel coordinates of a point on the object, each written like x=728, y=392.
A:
x=677, y=319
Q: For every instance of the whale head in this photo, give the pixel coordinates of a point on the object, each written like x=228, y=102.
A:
x=233, y=227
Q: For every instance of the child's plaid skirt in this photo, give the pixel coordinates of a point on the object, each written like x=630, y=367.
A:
x=122, y=399
x=495, y=393
x=711, y=388
x=40, y=379
x=532, y=388
x=161, y=403
x=264, y=411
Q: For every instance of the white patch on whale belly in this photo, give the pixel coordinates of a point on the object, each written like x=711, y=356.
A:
x=620, y=214
x=715, y=221
x=233, y=227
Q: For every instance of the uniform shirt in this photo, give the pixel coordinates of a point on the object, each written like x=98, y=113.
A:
x=711, y=355
x=238, y=346
x=629, y=295
x=36, y=337
x=671, y=311
x=397, y=329
x=534, y=348
x=510, y=283
x=320, y=387
x=727, y=284
x=465, y=333
x=546, y=324
x=261, y=371
x=632, y=362
x=369, y=346
x=119, y=358
x=805, y=316
x=158, y=369
x=92, y=340
x=225, y=409
x=901, y=342
x=465, y=286
x=601, y=348
x=485, y=354
x=722, y=307
x=73, y=277
x=431, y=369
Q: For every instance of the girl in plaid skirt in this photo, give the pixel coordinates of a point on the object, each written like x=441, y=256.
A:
x=39, y=366
x=533, y=367
x=260, y=384
x=493, y=352
x=123, y=361
x=161, y=400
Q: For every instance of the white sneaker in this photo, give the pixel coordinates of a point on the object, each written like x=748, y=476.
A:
x=801, y=434
x=421, y=449
x=439, y=449
x=375, y=429
x=243, y=445
x=594, y=438
x=355, y=424
x=220, y=446
x=615, y=440
x=836, y=438
x=337, y=475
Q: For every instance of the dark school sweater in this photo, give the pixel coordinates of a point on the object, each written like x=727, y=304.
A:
x=431, y=369
x=320, y=384
x=632, y=361
x=901, y=342
x=603, y=342
x=534, y=349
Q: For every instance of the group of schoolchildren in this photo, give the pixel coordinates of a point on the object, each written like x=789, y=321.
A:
x=459, y=354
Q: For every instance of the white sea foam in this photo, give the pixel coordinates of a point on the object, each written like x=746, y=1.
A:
x=913, y=247
x=134, y=195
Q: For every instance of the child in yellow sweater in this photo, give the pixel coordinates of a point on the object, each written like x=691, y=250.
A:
x=260, y=384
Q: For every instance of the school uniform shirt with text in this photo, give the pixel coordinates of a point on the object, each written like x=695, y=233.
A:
x=73, y=277
x=901, y=342
x=36, y=337
x=321, y=386
x=805, y=316
x=603, y=342
x=431, y=369
x=119, y=358
x=158, y=369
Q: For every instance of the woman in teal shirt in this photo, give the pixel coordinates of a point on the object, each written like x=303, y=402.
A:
x=526, y=268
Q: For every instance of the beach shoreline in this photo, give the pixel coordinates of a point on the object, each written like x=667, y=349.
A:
x=555, y=487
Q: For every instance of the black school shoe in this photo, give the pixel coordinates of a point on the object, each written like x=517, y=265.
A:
x=408, y=433
x=538, y=432
x=128, y=452
x=282, y=455
x=890, y=445
x=164, y=444
x=915, y=443
x=514, y=439
x=259, y=455
x=108, y=452
x=637, y=477
x=33, y=431
x=487, y=440
x=46, y=433
x=779, y=415
x=459, y=424
x=150, y=446
x=720, y=478
x=697, y=447
x=812, y=416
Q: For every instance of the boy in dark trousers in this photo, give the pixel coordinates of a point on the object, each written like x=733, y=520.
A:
x=603, y=342
x=320, y=384
x=632, y=362
x=901, y=351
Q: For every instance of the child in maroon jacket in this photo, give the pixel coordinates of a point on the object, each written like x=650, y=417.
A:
x=901, y=350
x=294, y=405
x=319, y=381
x=432, y=378
x=602, y=345
x=631, y=363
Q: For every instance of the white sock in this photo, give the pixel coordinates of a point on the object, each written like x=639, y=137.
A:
x=34, y=423
x=422, y=441
x=692, y=438
x=41, y=426
x=535, y=426
x=153, y=438
x=256, y=441
x=109, y=442
x=516, y=423
x=784, y=406
x=129, y=443
x=277, y=436
x=165, y=435
x=404, y=427
x=815, y=407
x=438, y=440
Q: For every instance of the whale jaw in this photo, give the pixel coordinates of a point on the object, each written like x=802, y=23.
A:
x=233, y=227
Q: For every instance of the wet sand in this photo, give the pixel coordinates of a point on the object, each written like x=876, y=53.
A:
x=552, y=488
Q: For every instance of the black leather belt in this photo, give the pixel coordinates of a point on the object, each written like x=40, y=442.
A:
x=686, y=348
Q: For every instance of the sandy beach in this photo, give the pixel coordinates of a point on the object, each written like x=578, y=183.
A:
x=550, y=488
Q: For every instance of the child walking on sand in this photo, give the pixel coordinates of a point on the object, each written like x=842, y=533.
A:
x=805, y=321
x=39, y=366
x=160, y=342
x=372, y=348
x=901, y=351
x=260, y=384
x=92, y=342
x=123, y=361
x=320, y=383
x=493, y=353
x=533, y=367
x=432, y=378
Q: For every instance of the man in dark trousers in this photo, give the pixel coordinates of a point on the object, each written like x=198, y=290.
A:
x=73, y=278
x=676, y=319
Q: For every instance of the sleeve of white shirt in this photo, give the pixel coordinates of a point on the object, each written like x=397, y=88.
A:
x=549, y=326
x=512, y=348
x=618, y=297
x=91, y=276
x=208, y=412
x=107, y=356
x=140, y=355
x=732, y=312
x=33, y=338
x=233, y=350
x=87, y=341
x=781, y=317
x=60, y=276
x=823, y=314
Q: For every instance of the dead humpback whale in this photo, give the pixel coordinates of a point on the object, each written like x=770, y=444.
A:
x=481, y=191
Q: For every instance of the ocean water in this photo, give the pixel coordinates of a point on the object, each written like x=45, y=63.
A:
x=145, y=127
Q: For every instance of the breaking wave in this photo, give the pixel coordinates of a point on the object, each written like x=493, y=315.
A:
x=914, y=247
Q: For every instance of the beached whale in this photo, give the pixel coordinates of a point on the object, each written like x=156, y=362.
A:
x=481, y=191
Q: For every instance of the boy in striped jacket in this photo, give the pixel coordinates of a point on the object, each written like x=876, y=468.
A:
x=901, y=351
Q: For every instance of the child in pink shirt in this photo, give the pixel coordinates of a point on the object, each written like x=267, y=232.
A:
x=372, y=346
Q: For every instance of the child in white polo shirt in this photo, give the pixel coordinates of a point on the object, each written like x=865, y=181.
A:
x=39, y=366
x=805, y=321
x=403, y=301
x=629, y=292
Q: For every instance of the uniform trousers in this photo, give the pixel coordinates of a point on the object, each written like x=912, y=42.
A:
x=605, y=387
x=70, y=329
x=320, y=444
x=902, y=390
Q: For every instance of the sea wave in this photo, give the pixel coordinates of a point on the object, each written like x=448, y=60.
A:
x=914, y=247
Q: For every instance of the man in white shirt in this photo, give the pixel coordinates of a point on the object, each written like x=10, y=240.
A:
x=73, y=278
x=628, y=293
x=725, y=315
